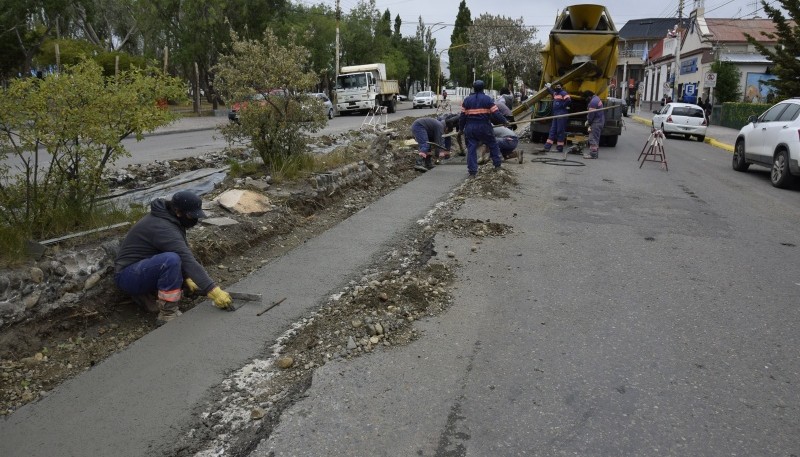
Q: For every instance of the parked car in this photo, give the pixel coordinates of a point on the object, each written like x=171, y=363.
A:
x=424, y=98
x=684, y=119
x=236, y=107
x=327, y=102
x=772, y=140
x=233, y=114
x=401, y=98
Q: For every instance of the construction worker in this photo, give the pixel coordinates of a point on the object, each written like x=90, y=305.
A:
x=502, y=105
x=595, y=120
x=558, y=128
x=478, y=111
x=507, y=141
x=154, y=260
x=427, y=130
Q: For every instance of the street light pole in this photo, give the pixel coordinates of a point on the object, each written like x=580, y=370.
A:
x=428, y=51
x=439, y=77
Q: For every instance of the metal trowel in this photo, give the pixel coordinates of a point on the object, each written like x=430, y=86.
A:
x=239, y=298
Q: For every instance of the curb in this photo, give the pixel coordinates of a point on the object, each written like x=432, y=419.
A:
x=170, y=132
x=709, y=140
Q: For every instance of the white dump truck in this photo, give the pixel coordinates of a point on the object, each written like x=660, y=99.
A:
x=360, y=88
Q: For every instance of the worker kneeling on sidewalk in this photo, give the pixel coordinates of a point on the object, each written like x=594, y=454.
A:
x=154, y=260
x=506, y=140
x=427, y=130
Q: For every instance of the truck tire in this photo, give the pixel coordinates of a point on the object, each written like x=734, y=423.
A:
x=609, y=140
x=392, y=106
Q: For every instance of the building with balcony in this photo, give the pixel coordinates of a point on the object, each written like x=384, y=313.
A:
x=678, y=65
x=636, y=38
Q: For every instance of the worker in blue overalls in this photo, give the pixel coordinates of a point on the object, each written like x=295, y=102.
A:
x=477, y=113
x=558, y=127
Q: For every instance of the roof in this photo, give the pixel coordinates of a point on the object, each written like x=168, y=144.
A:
x=648, y=29
x=744, y=58
x=733, y=30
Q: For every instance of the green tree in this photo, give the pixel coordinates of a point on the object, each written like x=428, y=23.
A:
x=357, y=33
x=65, y=130
x=787, y=50
x=277, y=124
x=24, y=26
x=460, y=61
x=319, y=24
x=727, y=87
x=504, y=44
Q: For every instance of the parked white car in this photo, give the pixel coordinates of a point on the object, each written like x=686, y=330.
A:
x=423, y=99
x=327, y=102
x=681, y=119
x=772, y=140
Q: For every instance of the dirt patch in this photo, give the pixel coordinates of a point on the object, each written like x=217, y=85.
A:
x=375, y=314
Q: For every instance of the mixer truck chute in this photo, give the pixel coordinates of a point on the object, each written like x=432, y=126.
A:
x=581, y=55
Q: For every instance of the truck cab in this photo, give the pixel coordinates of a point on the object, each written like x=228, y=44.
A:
x=362, y=88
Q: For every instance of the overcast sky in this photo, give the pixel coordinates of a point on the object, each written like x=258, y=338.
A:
x=542, y=13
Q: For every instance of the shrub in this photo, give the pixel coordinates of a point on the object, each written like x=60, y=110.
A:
x=734, y=115
x=59, y=134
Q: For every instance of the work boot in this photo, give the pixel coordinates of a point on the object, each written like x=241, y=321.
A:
x=419, y=165
x=429, y=162
x=168, y=311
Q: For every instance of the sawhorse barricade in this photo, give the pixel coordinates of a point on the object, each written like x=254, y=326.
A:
x=653, y=150
x=377, y=118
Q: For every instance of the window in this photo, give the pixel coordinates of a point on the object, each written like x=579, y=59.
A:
x=791, y=112
x=688, y=111
x=772, y=114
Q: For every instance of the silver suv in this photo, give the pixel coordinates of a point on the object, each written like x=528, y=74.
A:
x=423, y=99
x=772, y=140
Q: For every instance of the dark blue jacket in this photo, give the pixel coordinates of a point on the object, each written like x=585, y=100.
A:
x=594, y=115
x=158, y=232
x=561, y=101
x=479, y=108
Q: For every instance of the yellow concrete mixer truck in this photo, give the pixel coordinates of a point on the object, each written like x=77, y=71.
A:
x=581, y=55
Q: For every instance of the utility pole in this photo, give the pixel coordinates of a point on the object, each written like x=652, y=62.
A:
x=678, y=53
x=338, y=16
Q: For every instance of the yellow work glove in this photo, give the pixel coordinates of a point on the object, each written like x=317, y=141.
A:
x=191, y=285
x=221, y=298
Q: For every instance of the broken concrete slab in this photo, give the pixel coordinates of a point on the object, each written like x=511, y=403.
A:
x=244, y=202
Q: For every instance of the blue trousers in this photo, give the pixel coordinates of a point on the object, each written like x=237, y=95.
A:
x=476, y=134
x=421, y=135
x=558, y=133
x=507, y=145
x=159, y=274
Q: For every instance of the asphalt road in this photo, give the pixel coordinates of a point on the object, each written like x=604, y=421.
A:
x=633, y=312
x=630, y=312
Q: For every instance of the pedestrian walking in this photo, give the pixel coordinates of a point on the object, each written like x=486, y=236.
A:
x=154, y=260
x=478, y=111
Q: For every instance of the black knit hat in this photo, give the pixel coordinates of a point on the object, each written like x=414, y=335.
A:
x=189, y=204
